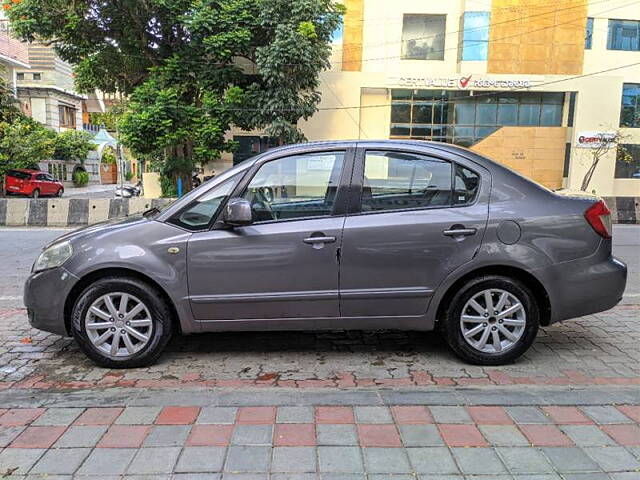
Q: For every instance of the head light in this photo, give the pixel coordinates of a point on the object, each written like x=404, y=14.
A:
x=54, y=256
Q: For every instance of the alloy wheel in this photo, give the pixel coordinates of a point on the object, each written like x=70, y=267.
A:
x=118, y=324
x=493, y=321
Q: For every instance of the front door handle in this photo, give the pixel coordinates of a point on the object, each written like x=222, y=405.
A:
x=459, y=232
x=319, y=240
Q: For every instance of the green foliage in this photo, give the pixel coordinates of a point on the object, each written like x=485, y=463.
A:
x=168, y=187
x=73, y=146
x=192, y=68
x=128, y=176
x=23, y=143
x=107, y=119
x=80, y=178
x=109, y=156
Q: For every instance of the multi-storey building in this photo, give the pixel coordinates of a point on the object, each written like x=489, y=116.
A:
x=46, y=91
x=13, y=55
x=527, y=82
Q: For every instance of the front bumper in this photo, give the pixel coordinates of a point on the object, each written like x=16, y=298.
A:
x=45, y=294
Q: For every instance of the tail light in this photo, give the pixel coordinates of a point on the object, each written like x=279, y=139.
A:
x=599, y=217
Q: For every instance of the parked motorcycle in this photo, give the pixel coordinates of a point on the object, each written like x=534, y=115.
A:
x=128, y=191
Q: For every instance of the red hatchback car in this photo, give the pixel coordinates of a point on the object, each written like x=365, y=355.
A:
x=33, y=183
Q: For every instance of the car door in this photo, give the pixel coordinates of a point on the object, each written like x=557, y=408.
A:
x=285, y=264
x=41, y=184
x=417, y=218
x=50, y=185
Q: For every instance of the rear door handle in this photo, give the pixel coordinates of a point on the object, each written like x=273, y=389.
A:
x=463, y=232
x=319, y=240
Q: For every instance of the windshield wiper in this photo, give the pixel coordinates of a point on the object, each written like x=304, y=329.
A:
x=150, y=212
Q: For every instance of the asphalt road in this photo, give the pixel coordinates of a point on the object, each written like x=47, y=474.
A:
x=20, y=247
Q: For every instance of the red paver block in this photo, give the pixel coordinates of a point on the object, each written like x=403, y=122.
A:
x=546, y=436
x=38, y=437
x=98, y=416
x=490, y=415
x=457, y=435
x=210, y=435
x=379, y=435
x=124, y=436
x=257, y=415
x=631, y=411
x=567, y=415
x=411, y=414
x=20, y=416
x=626, y=434
x=178, y=415
x=294, y=435
x=334, y=415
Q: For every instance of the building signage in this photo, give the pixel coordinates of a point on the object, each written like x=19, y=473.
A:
x=594, y=139
x=463, y=82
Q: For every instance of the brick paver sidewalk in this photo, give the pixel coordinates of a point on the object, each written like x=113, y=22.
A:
x=314, y=441
x=597, y=349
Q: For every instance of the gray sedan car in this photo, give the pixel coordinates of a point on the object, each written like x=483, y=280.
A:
x=336, y=235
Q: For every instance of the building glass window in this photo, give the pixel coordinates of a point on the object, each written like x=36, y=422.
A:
x=20, y=76
x=475, y=36
x=423, y=37
x=630, y=114
x=457, y=117
x=624, y=35
x=67, y=116
x=628, y=162
x=588, y=37
x=37, y=76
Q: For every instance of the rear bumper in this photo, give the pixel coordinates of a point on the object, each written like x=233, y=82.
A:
x=586, y=286
x=45, y=294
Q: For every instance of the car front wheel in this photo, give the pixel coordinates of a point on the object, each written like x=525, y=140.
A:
x=35, y=193
x=492, y=320
x=121, y=323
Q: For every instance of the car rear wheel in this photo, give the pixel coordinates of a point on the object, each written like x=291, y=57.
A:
x=35, y=193
x=121, y=323
x=492, y=320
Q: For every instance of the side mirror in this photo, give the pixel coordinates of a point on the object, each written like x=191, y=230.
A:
x=238, y=213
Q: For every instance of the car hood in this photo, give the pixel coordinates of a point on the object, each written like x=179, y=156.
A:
x=100, y=228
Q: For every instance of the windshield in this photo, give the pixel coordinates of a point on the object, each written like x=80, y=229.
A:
x=169, y=210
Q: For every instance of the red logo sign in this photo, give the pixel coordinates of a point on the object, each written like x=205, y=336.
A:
x=464, y=81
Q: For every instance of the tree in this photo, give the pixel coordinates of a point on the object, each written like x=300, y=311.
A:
x=72, y=146
x=192, y=68
x=606, y=143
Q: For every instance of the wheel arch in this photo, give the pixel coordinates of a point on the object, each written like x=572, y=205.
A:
x=539, y=291
x=91, y=277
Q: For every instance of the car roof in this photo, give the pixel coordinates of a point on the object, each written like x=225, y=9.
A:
x=26, y=170
x=363, y=143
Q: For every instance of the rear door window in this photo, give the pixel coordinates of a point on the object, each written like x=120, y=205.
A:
x=399, y=181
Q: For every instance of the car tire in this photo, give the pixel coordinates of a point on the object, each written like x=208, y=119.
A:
x=135, y=352
x=60, y=192
x=465, y=335
x=35, y=193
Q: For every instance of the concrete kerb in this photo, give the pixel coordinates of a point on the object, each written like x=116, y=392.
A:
x=70, y=212
x=77, y=212
x=499, y=396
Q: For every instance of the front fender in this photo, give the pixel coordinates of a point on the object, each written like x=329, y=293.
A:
x=143, y=248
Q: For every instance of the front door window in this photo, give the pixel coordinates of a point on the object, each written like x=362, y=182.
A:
x=293, y=187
